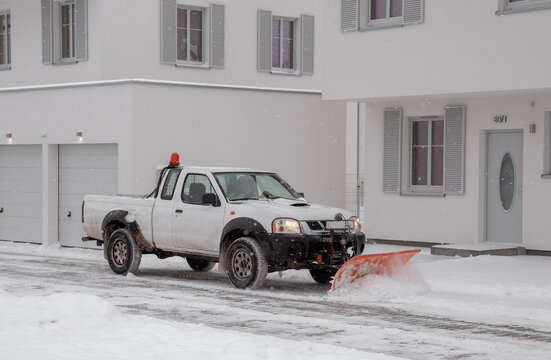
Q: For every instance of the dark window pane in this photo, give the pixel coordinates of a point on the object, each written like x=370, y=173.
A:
x=419, y=166
x=275, y=28
x=196, y=45
x=287, y=56
x=66, y=42
x=438, y=132
x=507, y=182
x=437, y=166
x=287, y=29
x=378, y=9
x=65, y=14
x=275, y=53
x=181, y=18
x=181, y=49
x=3, y=26
x=395, y=8
x=9, y=38
x=196, y=19
x=420, y=133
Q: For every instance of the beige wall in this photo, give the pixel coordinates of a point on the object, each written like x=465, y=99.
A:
x=459, y=218
x=462, y=47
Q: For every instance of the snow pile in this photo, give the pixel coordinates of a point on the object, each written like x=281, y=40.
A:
x=403, y=283
x=77, y=326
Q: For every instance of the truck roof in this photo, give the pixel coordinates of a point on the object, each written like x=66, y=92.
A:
x=216, y=169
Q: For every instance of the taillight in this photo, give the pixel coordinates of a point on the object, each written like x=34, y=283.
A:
x=82, y=212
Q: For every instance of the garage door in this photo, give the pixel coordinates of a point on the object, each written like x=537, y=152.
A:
x=21, y=193
x=83, y=169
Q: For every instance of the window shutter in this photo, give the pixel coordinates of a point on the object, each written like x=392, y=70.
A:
x=349, y=15
x=413, y=11
x=168, y=31
x=81, y=29
x=217, y=36
x=264, y=41
x=307, y=44
x=392, y=150
x=47, y=32
x=454, y=150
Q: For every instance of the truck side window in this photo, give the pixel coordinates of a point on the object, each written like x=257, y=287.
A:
x=170, y=184
x=195, y=187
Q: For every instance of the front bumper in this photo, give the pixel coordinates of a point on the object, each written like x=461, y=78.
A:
x=327, y=249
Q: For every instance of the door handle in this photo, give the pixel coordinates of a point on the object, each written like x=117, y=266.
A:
x=69, y=214
x=179, y=211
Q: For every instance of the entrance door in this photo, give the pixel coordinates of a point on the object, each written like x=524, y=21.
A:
x=504, y=187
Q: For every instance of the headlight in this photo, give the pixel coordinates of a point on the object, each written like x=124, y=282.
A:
x=357, y=223
x=285, y=226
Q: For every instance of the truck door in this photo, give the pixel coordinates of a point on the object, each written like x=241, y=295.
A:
x=163, y=210
x=196, y=225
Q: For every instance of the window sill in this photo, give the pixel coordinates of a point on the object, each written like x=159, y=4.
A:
x=517, y=8
x=65, y=62
x=280, y=72
x=5, y=67
x=422, y=194
x=546, y=176
x=382, y=25
x=192, y=65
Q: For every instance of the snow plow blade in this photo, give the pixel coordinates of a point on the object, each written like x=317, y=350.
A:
x=379, y=264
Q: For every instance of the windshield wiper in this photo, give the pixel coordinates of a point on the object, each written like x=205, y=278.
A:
x=245, y=198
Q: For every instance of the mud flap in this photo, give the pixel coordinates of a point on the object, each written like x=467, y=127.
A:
x=362, y=265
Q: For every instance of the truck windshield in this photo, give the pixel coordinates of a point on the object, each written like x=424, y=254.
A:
x=254, y=186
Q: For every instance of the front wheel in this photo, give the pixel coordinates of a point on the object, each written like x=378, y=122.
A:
x=322, y=276
x=246, y=265
x=200, y=265
x=123, y=253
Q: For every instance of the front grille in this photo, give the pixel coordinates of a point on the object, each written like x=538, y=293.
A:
x=316, y=225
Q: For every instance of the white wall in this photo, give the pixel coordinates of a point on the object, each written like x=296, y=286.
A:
x=459, y=218
x=462, y=47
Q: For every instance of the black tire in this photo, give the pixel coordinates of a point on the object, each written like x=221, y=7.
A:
x=322, y=276
x=246, y=265
x=123, y=254
x=200, y=265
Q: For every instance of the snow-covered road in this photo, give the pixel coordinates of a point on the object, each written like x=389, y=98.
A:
x=414, y=317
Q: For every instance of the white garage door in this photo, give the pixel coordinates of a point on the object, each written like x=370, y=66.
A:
x=21, y=193
x=84, y=169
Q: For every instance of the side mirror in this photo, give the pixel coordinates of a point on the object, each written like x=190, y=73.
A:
x=210, y=199
x=301, y=195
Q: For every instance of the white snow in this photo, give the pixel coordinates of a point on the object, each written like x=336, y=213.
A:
x=61, y=320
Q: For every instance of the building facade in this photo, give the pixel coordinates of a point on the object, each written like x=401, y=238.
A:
x=96, y=94
x=448, y=116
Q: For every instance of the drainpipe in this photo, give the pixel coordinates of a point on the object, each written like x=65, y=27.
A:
x=358, y=185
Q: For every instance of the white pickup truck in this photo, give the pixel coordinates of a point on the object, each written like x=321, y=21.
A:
x=251, y=222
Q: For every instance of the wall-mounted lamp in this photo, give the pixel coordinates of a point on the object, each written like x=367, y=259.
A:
x=532, y=128
x=8, y=135
x=79, y=133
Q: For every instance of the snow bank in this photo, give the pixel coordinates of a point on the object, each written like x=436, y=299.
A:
x=77, y=326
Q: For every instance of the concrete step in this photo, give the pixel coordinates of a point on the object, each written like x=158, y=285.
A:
x=486, y=248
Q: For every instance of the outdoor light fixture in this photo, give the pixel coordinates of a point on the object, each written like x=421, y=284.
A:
x=79, y=133
x=8, y=135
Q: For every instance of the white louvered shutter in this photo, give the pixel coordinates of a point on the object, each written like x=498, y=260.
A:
x=307, y=44
x=47, y=32
x=392, y=150
x=454, y=150
x=264, y=41
x=168, y=31
x=414, y=11
x=217, y=32
x=349, y=15
x=81, y=29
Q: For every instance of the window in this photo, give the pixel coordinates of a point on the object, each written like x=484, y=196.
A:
x=373, y=14
x=5, y=40
x=511, y=6
x=195, y=187
x=64, y=31
x=427, y=154
x=283, y=44
x=170, y=184
x=385, y=10
x=67, y=25
x=189, y=35
x=547, y=146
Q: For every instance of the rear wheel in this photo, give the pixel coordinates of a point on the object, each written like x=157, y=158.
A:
x=322, y=276
x=123, y=254
x=200, y=265
x=245, y=264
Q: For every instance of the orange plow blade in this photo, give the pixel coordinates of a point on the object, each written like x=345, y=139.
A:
x=362, y=265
